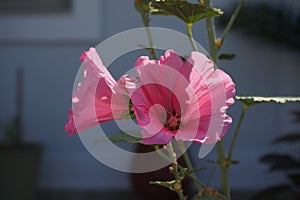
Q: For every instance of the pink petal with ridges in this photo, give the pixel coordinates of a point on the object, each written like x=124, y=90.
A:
x=93, y=97
x=203, y=117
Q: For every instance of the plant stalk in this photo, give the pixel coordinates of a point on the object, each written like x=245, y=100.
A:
x=212, y=174
x=223, y=163
x=245, y=107
x=211, y=33
x=178, y=179
x=190, y=35
x=139, y=5
x=231, y=21
x=219, y=146
x=190, y=167
x=151, y=50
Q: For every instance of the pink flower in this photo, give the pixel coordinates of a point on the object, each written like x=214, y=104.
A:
x=170, y=98
x=182, y=100
x=93, y=97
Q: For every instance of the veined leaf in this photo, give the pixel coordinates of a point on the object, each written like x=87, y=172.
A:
x=121, y=137
x=188, y=12
x=251, y=100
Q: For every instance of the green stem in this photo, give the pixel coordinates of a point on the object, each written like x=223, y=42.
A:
x=224, y=161
x=231, y=21
x=197, y=183
x=212, y=174
x=146, y=20
x=187, y=160
x=237, y=131
x=225, y=181
x=190, y=35
x=193, y=176
x=190, y=167
x=161, y=154
x=151, y=49
x=211, y=33
x=223, y=170
x=178, y=179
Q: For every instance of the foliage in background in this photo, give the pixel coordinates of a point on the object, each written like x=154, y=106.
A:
x=286, y=163
x=276, y=24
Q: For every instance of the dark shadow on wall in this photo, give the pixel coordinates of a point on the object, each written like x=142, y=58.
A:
x=271, y=23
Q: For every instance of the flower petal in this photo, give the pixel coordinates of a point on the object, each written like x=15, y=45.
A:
x=204, y=95
x=162, y=137
x=98, y=98
x=70, y=126
x=214, y=91
x=171, y=59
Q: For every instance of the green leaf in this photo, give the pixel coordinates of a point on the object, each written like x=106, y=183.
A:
x=280, y=161
x=188, y=12
x=122, y=137
x=252, y=100
x=194, y=170
x=167, y=184
x=209, y=194
x=183, y=172
x=290, y=138
x=226, y=56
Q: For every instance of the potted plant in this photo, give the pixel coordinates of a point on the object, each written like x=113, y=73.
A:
x=19, y=160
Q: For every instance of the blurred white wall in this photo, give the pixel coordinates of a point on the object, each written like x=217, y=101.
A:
x=85, y=22
x=48, y=47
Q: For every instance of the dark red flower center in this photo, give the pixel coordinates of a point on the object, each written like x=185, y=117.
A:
x=172, y=122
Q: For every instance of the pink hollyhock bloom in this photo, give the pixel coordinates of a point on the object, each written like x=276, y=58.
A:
x=92, y=98
x=182, y=100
